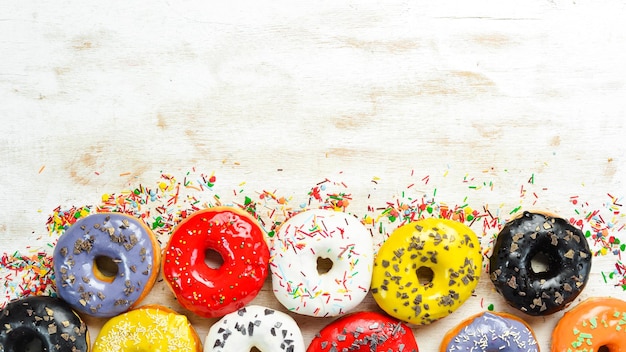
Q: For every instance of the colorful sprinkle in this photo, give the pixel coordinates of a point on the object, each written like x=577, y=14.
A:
x=165, y=202
x=24, y=275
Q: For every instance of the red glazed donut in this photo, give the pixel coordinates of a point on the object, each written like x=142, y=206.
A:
x=238, y=239
x=364, y=331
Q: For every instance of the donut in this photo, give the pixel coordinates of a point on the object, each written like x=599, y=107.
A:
x=490, y=331
x=595, y=324
x=148, y=328
x=106, y=263
x=531, y=236
x=364, y=331
x=321, y=263
x=255, y=327
x=42, y=323
x=426, y=269
x=230, y=284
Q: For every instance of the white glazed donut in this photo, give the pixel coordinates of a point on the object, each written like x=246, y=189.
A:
x=254, y=326
x=308, y=237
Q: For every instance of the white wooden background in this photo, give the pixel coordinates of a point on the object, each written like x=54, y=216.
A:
x=95, y=98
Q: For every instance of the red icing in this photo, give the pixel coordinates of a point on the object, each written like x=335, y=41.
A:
x=214, y=292
x=364, y=331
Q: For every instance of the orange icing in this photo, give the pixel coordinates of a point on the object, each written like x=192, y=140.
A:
x=595, y=323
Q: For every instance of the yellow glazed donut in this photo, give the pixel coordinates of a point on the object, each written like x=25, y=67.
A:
x=426, y=269
x=149, y=328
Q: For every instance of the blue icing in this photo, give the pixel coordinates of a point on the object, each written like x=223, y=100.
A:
x=120, y=237
x=491, y=332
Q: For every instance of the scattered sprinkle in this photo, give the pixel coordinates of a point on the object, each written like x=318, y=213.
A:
x=165, y=202
x=23, y=275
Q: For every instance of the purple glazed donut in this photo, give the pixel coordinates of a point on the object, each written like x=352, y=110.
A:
x=490, y=331
x=106, y=263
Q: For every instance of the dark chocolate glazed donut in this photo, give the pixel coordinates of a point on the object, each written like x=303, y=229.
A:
x=566, y=254
x=44, y=323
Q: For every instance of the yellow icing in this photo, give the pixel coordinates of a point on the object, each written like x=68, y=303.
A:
x=149, y=328
x=450, y=249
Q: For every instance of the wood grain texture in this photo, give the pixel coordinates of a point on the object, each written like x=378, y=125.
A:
x=97, y=97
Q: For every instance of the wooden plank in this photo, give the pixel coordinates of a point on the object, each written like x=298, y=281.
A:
x=97, y=99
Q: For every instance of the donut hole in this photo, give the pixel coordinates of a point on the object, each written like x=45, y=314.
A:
x=540, y=263
x=604, y=348
x=34, y=345
x=425, y=275
x=324, y=265
x=213, y=259
x=28, y=343
x=105, y=268
x=254, y=349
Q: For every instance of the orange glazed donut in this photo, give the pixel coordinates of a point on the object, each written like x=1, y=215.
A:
x=237, y=238
x=596, y=324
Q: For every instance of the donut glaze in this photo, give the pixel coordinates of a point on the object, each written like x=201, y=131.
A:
x=127, y=241
x=491, y=332
x=364, y=331
x=47, y=319
x=214, y=292
x=595, y=323
x=569, y=263
x=308, y=237
x=447, y=248
x=255, y=326
x=148, y=328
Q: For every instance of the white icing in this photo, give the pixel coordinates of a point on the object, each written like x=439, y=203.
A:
x=314, y=234
x=255, y=326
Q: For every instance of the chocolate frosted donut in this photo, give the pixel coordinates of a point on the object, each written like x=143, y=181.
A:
x=41, y=323
x=566, y=254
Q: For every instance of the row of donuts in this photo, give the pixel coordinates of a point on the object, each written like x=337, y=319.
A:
x=422, y=272
x=449, y=251
x=44, y=323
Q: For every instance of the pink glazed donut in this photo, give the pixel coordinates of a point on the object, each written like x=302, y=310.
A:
x=106, y=263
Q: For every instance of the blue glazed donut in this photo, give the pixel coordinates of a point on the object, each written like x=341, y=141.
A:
x=123, y=241
x=490, y=331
